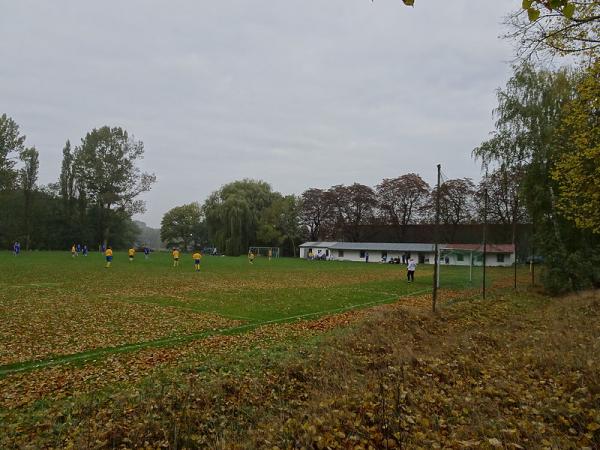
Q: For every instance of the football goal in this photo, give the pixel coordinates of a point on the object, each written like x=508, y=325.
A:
x=461, y=264
x=272, y=252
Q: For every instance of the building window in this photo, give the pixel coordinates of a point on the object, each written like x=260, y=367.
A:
x=479, y=258
x=421, y=258
x=500, y=257
x=340, y=253
x=460, y=257
x=384, y=254
x=362, y=253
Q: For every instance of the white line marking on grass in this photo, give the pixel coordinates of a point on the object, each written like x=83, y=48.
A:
x=329, y=311
x=90, y=355
x=227, y=316
x=33, y=285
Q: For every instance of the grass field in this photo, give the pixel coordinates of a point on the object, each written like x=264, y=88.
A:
x=55, y=306
x=72, y=330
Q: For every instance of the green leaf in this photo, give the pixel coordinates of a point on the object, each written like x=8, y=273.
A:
x=533, y=14
x=527, y=4
x=409, y=2
x=569, y=10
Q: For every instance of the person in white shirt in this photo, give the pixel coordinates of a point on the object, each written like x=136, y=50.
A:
x=410, y=272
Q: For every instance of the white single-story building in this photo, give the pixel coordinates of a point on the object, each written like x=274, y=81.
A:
x=452, y=254
x=501, y=255
x=374, y=251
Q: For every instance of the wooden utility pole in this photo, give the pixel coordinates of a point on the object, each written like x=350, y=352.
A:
x=436, y=238
x=485, y=209
x=532, y=260
x=514, y=241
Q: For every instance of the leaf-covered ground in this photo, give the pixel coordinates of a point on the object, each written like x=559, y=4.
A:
x=26, y=387
x=53, y=305
x=515, y=371
x=40, y=327
x=342, y=356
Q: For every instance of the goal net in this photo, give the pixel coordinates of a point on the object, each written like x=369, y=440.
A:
x=459, y=268
x=273, y=252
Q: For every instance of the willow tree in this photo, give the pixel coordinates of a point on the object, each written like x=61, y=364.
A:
x=279, y=224
x=527, y=117
x=233, y=214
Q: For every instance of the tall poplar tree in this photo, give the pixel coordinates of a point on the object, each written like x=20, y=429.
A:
x=28, y=176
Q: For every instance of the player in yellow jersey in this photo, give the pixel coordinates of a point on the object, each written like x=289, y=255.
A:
x=109, y=256
x=175, y=257
x=251, y=257
x=196, y=257
x=270, y=254
x=131, y=253
x=73, y=251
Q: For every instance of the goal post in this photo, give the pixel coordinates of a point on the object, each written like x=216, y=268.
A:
x=463, y=263
x=273, y=252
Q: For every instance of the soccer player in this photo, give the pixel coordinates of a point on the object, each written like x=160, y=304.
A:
x=131, y=253
x=270, y=254
x=175, y=257
x=146, y=252
x=196, y=257
x=16, y=248
x=251, y=257
x=109, y=255
x=85, y=250
x=73, y=251
x=410, y=270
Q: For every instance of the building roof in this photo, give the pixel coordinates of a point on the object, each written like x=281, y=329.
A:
x=389, y=246
x=490, y=248
x=372, y=246
x=319, y=244
x=408, y=247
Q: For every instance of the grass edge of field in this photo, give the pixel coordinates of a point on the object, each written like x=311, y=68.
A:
x=95, y=354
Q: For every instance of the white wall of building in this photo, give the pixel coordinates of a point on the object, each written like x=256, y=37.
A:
x=375, y=256
x=491, y=259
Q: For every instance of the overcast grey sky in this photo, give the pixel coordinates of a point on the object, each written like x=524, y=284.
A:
x=299, y=93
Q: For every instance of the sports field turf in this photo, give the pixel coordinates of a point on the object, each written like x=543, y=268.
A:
x=57, y=308
x=75, y=336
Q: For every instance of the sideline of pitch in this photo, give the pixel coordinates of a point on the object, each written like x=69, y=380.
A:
x=92, y=355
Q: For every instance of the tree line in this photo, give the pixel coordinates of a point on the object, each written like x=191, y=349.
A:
x=92, y=201
x=548, y=129
x=249, y=213
x=541, y=165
